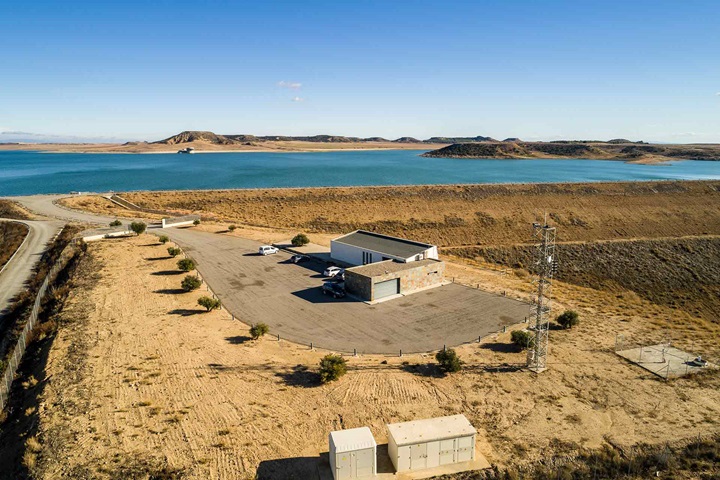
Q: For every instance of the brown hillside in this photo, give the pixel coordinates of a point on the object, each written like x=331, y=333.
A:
x=678, y=273
x=197, y=136
x=467, y=214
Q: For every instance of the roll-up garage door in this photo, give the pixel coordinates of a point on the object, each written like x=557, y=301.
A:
x=387, y=288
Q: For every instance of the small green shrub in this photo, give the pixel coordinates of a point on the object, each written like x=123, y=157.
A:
x=174, y=251
x=115, y=223
x=568, y=319
x=196, y=222
x=332, y=367
x=523, y=339
x=299, y=240
x=258, y=330
x=186, y=264
x=163, y=239
x=138, y=227
x=449, y=360
x=209, y=303
x=232, y=228
x=190, y=283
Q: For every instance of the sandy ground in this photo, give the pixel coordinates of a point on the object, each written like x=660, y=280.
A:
x=130, y=381
x=207, y=147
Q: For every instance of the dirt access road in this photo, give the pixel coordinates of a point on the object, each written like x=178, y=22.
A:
x=18, y=269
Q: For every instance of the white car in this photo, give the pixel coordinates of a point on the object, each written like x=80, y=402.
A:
x=267, y=250
x=332, y=271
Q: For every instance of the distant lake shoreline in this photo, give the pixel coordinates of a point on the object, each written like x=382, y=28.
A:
x=32, y=172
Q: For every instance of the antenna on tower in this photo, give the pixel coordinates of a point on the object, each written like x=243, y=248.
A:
x=545, y=267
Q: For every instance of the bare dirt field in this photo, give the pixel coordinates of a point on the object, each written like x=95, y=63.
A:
x=126, y=388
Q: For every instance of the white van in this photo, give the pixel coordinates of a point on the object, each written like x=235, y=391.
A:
x=267, y=250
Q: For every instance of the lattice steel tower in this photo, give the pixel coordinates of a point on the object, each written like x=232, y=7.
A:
x=545, y=266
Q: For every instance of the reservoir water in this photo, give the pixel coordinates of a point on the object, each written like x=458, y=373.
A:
x=25, y=173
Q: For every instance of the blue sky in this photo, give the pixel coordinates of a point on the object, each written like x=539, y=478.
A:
x=532, y=69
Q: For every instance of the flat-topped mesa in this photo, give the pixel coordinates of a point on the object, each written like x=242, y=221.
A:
x=478, y=138
x=617, y=149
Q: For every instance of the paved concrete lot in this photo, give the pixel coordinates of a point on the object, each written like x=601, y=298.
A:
x=287, y=297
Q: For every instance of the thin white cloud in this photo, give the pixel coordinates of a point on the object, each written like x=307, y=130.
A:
x=718, y=94
x=290, y=85
x=687, y=134
x=298, y=99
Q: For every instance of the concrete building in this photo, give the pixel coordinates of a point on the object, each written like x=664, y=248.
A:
x=353, y=453
x=385, y=265
x=362, y=247
x=379, y=280
x=429, y=443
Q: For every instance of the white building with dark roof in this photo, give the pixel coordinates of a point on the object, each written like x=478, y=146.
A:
x=362, y=247
x=383, y=266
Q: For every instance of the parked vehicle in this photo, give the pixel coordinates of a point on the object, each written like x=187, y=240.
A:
x=698, y=362
x=267, y=250
x=332, y=271
x=299, y=258
x=335, y=289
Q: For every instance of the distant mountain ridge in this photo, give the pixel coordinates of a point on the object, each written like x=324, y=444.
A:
x=210, y=137
x=484, y=147
x=189, y=136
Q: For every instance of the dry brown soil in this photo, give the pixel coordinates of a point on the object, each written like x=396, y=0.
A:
x=11, y=237
x=9, y=209
x=137, y=372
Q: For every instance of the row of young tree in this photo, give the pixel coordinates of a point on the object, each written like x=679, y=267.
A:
x=525, y=339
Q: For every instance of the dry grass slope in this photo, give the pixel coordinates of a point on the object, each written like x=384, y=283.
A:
x=678, y=273
x=467, y=214
x=11, y=236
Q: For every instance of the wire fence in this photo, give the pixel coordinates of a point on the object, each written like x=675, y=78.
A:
x=22, y=342
x=664, y=358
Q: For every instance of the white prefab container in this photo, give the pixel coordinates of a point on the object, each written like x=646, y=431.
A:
x=353, y=453
x=430, y=443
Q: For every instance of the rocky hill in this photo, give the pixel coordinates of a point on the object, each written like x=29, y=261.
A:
x=197, y=136
x=632, y=151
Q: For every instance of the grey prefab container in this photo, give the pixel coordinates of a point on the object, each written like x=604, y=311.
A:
x=353, y=453
x=430, y=443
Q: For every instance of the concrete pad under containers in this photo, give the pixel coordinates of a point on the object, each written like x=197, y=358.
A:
x=429, y=443
x=353, y=454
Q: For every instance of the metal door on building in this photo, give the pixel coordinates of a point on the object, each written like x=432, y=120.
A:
x=465, y=449
x=364, y=463
x=387, y=288
x=447, y=452
x=418, y=456
x=433, y=454
x=343, y=467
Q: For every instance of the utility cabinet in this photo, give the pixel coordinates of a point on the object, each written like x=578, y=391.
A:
x=353, y=454
x=432, y=442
